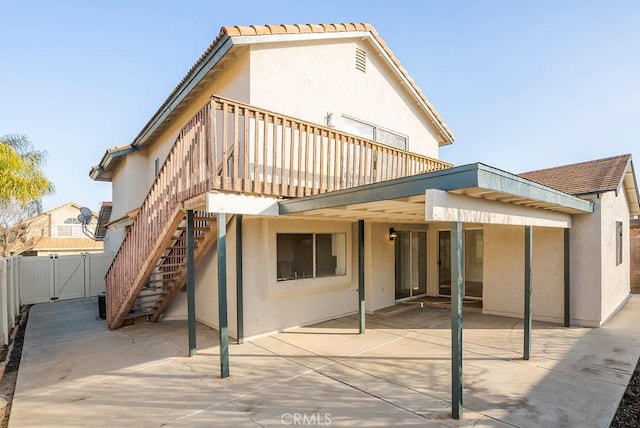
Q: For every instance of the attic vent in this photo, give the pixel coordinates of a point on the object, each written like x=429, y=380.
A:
x=361, y=60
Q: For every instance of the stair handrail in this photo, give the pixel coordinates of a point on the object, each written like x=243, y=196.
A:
x=254, y=151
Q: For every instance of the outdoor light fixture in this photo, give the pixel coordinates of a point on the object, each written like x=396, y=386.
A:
x=392, y=234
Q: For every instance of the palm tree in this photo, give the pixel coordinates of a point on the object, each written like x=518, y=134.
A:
x=22, y=180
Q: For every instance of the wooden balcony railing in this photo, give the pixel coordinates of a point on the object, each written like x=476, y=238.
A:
x=229, y=146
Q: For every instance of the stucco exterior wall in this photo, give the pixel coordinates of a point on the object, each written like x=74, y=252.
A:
x=139, y=167
x=504, y=272
x=308, y=81
x=379, y=266
x=60, y=214
x=586, y=268
x=114, y=239
x=270, y=305
x=126, y=196
x=615, y=280
x=233, y=82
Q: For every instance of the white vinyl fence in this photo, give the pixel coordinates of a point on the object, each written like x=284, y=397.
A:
x=29, y=280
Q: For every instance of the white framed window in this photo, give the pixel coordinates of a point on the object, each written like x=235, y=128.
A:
x=71, y=227
x=310, y=255
x=374, y=132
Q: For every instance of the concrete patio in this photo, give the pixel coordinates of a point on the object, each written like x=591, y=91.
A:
x=75, y=372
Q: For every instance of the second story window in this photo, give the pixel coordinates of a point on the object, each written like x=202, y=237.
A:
x=373, y=132
x=70, y=228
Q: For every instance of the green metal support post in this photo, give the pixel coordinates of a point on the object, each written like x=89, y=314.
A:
x=528, y=280
x=239, y=290
x=567, y=277
x=222, y=295
x=191, y=284
x=456, y=319
x=361, y=306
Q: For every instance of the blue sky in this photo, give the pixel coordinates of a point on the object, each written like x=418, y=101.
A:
x=523, y=85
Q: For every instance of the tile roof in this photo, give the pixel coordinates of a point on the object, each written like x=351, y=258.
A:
x=596, y=176
x=47, y=243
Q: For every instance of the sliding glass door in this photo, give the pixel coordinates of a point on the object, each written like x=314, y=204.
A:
x=473, y=244
x=411, y=264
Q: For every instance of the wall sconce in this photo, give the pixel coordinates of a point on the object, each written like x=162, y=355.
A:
x=392, y=234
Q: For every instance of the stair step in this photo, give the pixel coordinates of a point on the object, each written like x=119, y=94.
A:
x=167, y=256
x=153, y=294
x=139, y=313
x=169, y=273
x=181, y=240
x=172, y=264
x=144, y=305
x=166, y=281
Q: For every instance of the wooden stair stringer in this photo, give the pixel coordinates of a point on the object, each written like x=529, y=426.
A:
x=147, y=267
x=202, y=247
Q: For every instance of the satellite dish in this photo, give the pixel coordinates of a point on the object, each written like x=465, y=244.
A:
x=85, y=216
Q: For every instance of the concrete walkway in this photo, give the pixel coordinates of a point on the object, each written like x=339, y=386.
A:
x=74, y=372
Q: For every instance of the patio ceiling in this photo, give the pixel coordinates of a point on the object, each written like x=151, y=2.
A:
x=403, y=200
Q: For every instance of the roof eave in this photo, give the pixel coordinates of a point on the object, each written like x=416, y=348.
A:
x=630, y=184
x=97, y=171
x=223, y=45
x=454, y=179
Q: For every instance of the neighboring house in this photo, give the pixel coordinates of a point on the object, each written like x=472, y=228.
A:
x=305, y=150
x=58, y=231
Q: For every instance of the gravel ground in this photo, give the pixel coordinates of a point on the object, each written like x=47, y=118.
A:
x=628, y=414
x=10, y=356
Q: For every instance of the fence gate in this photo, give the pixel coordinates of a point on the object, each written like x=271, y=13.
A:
x=46, y=278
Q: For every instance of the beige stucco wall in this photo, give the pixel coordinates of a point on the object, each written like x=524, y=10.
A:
x=597, y=287
x=615, y=283
x=114, y=239
x=270, y=305
x=379, y=267
x=309, y=81
x=139, y=167
x=586, y=265
x=60, y=214
x=504, y=272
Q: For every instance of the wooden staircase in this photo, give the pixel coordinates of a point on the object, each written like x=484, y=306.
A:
x=169, y=275
x=236, y=148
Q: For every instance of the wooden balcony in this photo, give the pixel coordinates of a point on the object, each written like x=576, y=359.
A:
x=233, y=147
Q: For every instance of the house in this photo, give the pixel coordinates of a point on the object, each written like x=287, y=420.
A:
x=57, y=231
x=297, y=169
x=600, y=242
